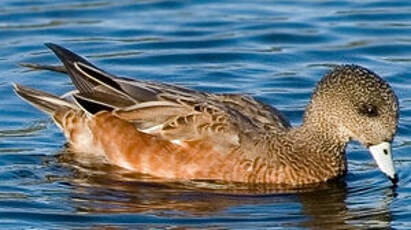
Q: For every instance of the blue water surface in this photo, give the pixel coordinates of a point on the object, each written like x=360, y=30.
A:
x=273, y=50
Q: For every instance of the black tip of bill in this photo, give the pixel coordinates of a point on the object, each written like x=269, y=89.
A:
x=394, y=179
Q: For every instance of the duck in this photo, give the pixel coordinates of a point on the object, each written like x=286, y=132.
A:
x=173, y=132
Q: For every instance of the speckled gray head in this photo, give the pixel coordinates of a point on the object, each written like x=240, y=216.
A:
x=357, y=104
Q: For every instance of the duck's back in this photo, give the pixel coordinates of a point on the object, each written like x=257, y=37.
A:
x=260, y=114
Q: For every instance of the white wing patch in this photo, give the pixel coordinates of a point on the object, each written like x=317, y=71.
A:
x=152, y=130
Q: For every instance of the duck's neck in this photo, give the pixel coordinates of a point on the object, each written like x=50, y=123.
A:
x=319, y=150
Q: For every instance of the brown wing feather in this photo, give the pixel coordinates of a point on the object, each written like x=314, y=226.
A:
x=262, y=115
x=178, y=122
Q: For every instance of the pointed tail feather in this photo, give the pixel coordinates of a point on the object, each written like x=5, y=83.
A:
x=68, y=59
x=85, y=76
x=55, y=68
x=43, y=101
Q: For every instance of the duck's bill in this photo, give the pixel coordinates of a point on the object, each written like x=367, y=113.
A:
x=382, y=155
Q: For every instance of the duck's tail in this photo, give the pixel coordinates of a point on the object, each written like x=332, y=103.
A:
x=55, y=68
x=45, y=102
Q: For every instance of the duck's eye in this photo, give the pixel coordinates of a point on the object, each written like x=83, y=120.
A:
x=368, y=110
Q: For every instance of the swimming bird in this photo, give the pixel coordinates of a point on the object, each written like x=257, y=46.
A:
x=174, y=132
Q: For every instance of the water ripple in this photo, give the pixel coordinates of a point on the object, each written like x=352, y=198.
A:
x=276, y=51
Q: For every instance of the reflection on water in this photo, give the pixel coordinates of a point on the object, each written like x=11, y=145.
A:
x=274, y=50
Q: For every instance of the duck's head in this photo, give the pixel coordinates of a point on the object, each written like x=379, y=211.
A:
x=353, y=103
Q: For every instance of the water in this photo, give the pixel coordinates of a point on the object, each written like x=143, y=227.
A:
x=274, y=50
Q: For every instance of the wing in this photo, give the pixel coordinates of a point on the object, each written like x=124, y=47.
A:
x=261, y=115
x=166, y=111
